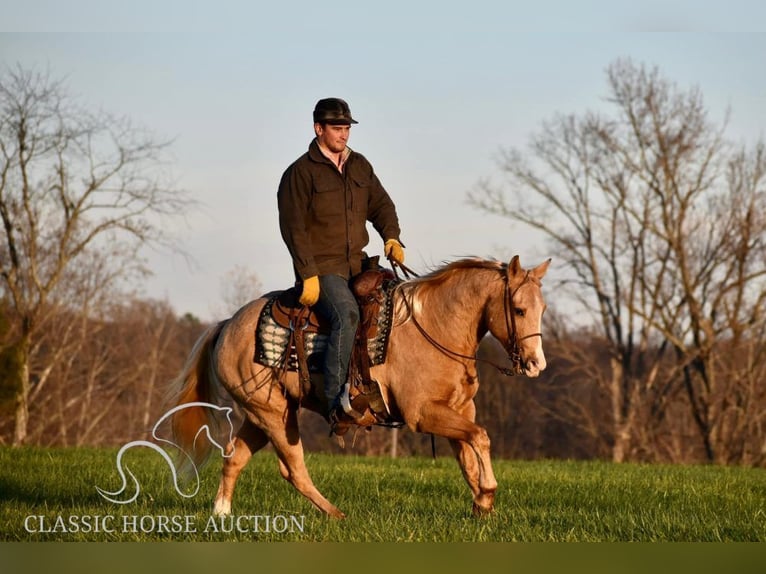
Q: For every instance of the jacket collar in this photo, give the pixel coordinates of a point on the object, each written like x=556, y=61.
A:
x=316, y=154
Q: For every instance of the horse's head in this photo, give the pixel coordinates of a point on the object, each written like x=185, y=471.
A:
x=515, y=317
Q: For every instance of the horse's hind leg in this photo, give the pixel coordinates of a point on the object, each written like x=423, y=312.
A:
x=287, y=442
x=249, y=440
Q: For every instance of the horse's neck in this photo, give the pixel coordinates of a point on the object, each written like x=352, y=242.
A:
x=454, y=309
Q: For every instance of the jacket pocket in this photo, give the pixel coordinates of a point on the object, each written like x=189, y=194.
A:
x=360, y=194
x=327, y=201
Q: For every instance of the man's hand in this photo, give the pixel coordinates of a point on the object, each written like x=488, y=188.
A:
x=394, y=250
x=310, y=293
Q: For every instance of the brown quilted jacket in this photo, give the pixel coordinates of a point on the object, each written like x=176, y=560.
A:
x=323, y=213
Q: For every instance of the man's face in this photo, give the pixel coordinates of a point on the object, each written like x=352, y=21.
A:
x=333, y=137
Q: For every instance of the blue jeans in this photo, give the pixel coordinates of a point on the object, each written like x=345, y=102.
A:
x=338, y=305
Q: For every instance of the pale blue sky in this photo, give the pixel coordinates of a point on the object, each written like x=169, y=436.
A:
x=438, y=89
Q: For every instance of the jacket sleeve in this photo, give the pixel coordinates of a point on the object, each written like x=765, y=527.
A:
x=381, y=211
x=294, y=202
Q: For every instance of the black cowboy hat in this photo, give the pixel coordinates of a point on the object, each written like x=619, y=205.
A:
x=333, y=111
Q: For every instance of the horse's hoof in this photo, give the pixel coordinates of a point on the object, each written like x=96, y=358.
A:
x=481, y=512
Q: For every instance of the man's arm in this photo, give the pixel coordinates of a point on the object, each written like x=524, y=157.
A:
x=294, y=201
x=381, y=211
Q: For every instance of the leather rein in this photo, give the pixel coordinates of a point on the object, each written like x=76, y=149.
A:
x=513, y=347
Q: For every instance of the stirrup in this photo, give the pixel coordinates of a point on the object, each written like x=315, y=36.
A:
x=345, y=403
x=339, y=425
x=341, y=421
x=343, y=416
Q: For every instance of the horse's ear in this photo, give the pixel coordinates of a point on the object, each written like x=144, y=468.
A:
x=540, y=270
x=514, y=267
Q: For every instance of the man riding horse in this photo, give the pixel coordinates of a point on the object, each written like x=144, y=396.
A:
x=427, y=378
x=325, y=199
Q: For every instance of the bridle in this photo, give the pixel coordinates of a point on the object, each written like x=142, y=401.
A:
x=512, y=347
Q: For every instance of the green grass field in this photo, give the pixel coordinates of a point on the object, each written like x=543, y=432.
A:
x=408, y=499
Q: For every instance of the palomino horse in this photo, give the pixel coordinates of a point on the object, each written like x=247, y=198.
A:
x=428, y=380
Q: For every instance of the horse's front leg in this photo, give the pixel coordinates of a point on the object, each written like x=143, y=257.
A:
x=470, y=443
x=466, y=457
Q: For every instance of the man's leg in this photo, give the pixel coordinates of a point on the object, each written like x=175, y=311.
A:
x=338, y=305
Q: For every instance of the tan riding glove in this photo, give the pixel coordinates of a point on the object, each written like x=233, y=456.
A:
x=310, y=293
x=394, y=250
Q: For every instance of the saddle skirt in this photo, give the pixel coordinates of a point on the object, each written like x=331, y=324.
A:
x=282, y=313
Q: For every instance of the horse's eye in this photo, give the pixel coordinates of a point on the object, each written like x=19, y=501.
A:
x=519, y=311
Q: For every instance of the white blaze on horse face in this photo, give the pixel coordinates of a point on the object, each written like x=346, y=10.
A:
x=534, y=360
x=529, y=331
x=523, y=308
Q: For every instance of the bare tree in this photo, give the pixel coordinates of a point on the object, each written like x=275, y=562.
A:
x=238, y=287
x=107, y=386
x=639, y=206
x=76, y=187
x=720, y=257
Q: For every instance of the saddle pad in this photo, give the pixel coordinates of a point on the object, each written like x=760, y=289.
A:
x=272, y=339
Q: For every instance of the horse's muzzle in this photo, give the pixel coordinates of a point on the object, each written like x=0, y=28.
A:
x=532, y=367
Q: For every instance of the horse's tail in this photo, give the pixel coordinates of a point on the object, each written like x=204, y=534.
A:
x=197, y=383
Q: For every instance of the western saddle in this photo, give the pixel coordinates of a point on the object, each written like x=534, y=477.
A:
x=364, y=392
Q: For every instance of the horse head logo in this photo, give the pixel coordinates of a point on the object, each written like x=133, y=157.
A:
x=112, y=496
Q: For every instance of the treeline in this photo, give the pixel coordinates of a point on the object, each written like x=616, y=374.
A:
x=656, y=220
x=566, y=413
x=96, y=381
x=655, y=217
x=105, y=381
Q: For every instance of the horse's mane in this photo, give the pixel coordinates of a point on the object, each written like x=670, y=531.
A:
x=418, y=291
x=448, y=271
